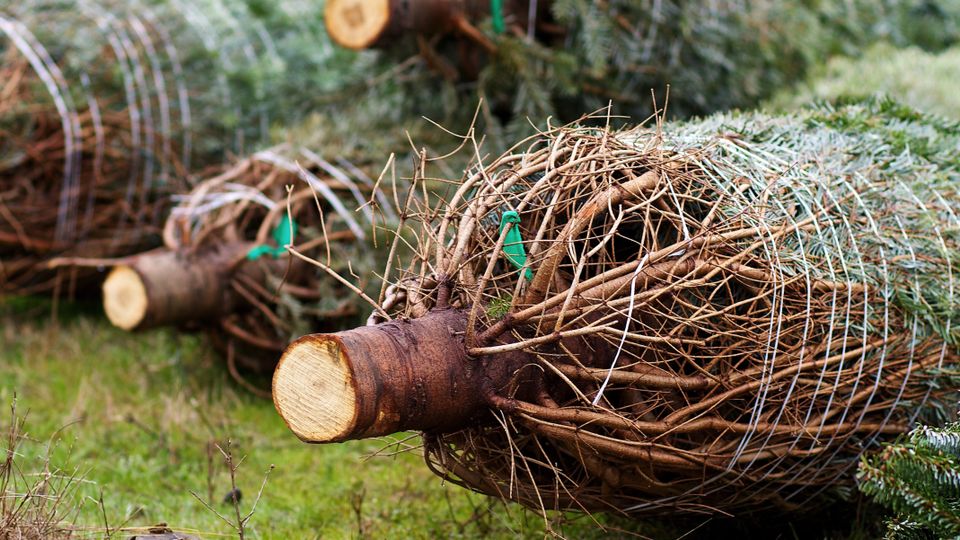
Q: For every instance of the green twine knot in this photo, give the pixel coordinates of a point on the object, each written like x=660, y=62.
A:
x=513, y=242
x=283, y=235
x=496, y=13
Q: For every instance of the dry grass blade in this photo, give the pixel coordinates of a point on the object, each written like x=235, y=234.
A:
x=34, y=505
x=90, y=151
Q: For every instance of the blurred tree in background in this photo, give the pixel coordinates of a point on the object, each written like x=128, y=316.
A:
x=714, y=55
x=921, y=79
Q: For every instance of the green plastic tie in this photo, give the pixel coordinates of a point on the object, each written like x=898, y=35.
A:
x=496, y=12
x=283, y=235
x=513, y=242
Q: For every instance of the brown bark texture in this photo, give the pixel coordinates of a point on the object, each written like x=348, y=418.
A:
x=173, y=287
x=361, y=24
x=402, y=375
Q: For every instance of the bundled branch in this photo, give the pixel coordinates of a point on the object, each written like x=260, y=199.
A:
x=108, y=107
x=537, y=59
x=712, y=317
x=225, y=265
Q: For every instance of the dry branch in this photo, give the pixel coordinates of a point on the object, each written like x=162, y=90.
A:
x=107, y=108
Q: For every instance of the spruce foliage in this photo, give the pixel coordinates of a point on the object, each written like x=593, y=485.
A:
x=713, y=55
x=919, y=479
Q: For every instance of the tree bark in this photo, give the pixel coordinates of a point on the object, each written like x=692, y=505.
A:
x=169, y=287
x=362, y=24
x=397, y=376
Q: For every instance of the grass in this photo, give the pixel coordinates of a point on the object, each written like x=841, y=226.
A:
x=136, y=417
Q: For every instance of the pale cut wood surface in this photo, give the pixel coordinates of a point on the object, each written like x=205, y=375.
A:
x=125, y=298
x=357, y=24
x=313, y=390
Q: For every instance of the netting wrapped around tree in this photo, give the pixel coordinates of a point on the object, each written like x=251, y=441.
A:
x=712, y=317
x=224, y=265
x=107, y=107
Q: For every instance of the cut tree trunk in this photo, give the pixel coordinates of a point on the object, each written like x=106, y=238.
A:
x=361, y=24
x=170, y=287
x=397, y=376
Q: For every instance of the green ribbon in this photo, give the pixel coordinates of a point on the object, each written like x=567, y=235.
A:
x=496, y=12
x=283, y=235
x=513, y=242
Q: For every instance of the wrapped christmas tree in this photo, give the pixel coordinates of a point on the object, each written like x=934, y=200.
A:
x=108, y=107
x=533, y=59
x=225, y=266
x=715, y=317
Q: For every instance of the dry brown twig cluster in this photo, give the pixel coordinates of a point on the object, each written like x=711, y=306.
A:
x=107, y=108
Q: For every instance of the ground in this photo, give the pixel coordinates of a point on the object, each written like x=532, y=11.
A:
x=136, y=417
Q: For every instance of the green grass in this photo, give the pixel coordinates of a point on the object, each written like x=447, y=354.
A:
x=134, y=416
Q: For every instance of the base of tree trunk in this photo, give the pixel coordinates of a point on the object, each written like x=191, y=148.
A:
x=397, y=376
x=361, y=24
x=169, y=287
